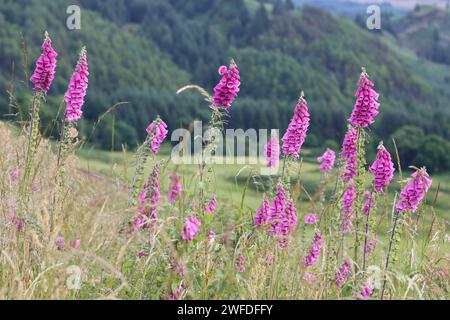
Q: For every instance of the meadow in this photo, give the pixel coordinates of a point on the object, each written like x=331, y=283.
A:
x=80, y=223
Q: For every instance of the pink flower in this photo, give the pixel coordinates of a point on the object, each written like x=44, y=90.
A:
x=175, y=188
x=366, y=106
x=368, y=204
x=349, y=153
x=382, y=169
x=314, y=252
x=327, y=160
x=414, y=192
x=262, y=215
x=371, y=245
x=141, y=253
x=13, y=174
x=310, y=219
x=309, y=277
x=347, y=205
x=178, y=267
x=227, y=89
x=286, y=223
x=240, y=264
x=366, y=292
x=77, y=89
x=148, y=201
x=191, y=227
x=342, y=274
x=277, y=208
x=178, y=293
x=157, y=132
x=59, y=241
x=212, y=205
x=272, y=152
x=15, y=221
x=75, y=244
x=296, y=133
x=44, y=73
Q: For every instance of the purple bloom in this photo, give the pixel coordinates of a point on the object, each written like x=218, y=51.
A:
x=262, y=215
x=272, y=152
x=212, y=205
x=414, y=192
x=59, y=241
x=368, y=204
x=309, y=277
x=175, y=188
x=347, y=205
x=227, y=89
x=349, y=153
x=366, y=106
x=44, y=73
x=13, y=174
x=75, y=244
x=310, y=219
x=178, y=293
x=148, y=201
x=366, y=292
x=295, y=135
x=77, y=89
x=314, y=252
x=157, y=132
x=371, y=245
x=382, y=169
x=277, y=208
x=191, y=227
x=327, y=160
x=342, y=274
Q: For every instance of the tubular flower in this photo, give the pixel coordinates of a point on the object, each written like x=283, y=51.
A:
x=44, y=73
x=262, y=215
x=227, y=89
x=175, y=187
x=157, y=132
x=327, y=160
x=287, y=223
x=310, y=219
x=314, y=252
x=76, y=92
x=414, y=192
x=240, y=264
x=347, y=205
x=366, y=292
x=148, y=201
x=382, y=169
x=272, y=152
x=371, y=245
x=349, y=153
x=277, y=208
x=366, y=106
x=212, y=205
x=342, y=274
x=191, y=226
x=368, y=204
x=296, y=133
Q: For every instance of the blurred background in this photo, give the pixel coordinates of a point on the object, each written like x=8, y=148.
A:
x=142, y=51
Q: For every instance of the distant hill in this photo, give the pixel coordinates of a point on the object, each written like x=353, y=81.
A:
x=142, y=51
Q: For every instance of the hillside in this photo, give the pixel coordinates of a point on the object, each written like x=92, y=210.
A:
x=141, y=52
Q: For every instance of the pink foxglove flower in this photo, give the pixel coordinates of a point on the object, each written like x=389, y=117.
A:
x=368, y=204
x=371, y=245
x=157, y=132
x=44, y=73
x=13, y=174
x=277, y=208
x=191, y=227
x=314, y=252
x=262, y=215
x=178, y=293
x=349, y=153
x=327, y=161
x=414, y=192
x=347, y=206
x=240, y=264
x=212, y=205
x=366, y=106
x=77, y=89
x=75, y=244
x=366, y=292
x=141, y=253
x=295, y=135
x=382, y=169
x=272, y=152
x=342, y=274
x=14, y=220
x=227, y=89
x=174, y=188
x=286, y=223
x=310, y=219
x=148, y=201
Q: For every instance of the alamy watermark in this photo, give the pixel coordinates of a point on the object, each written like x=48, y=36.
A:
x=73, y=21
x=373, y=22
